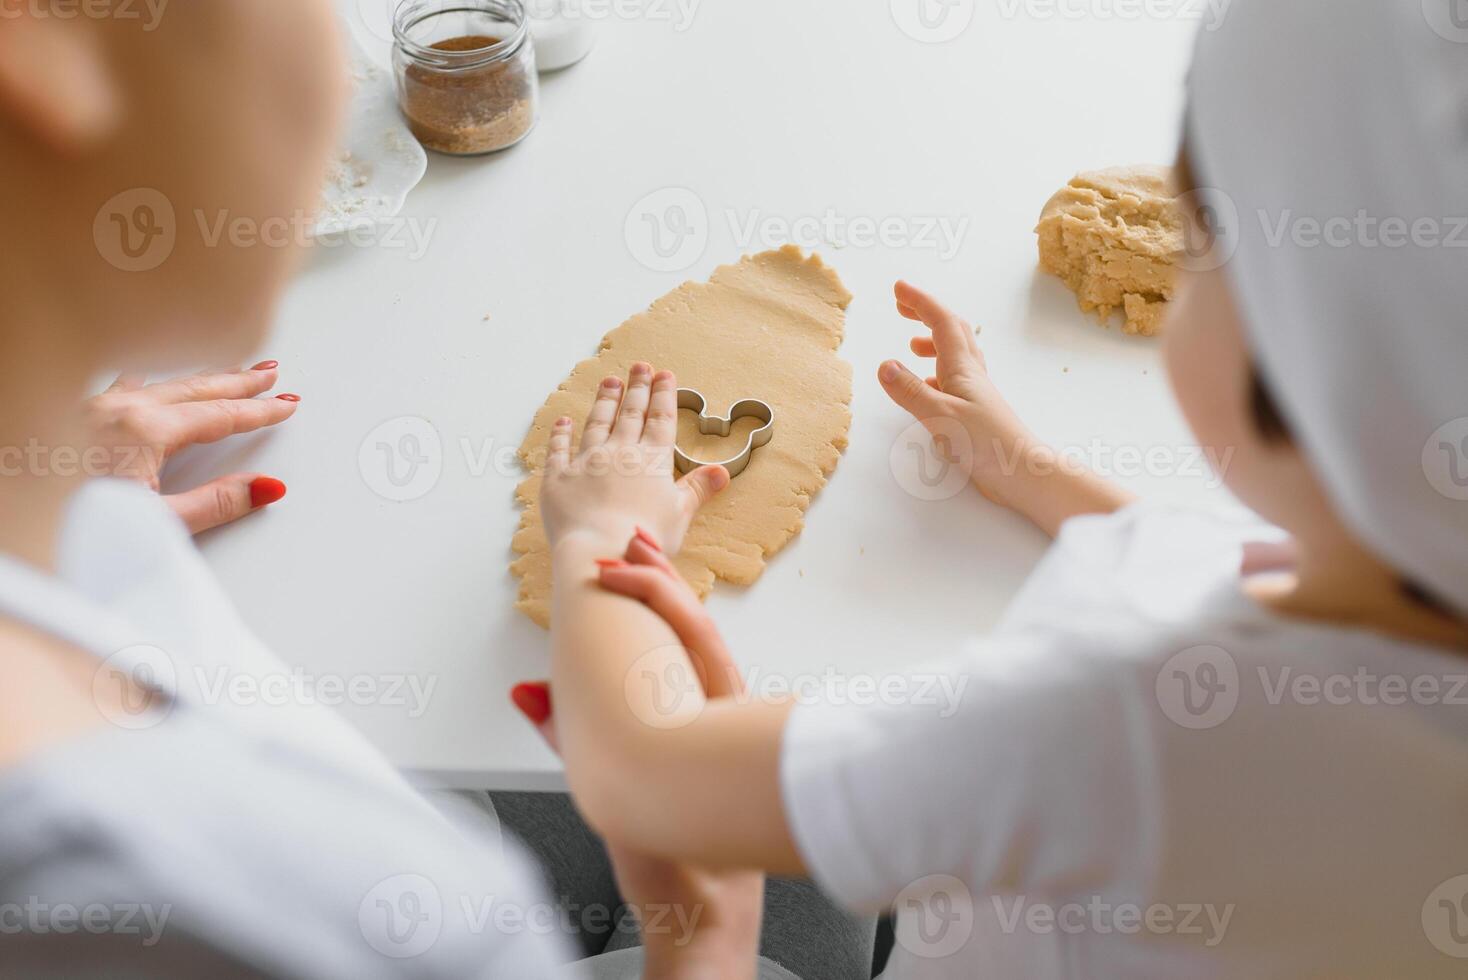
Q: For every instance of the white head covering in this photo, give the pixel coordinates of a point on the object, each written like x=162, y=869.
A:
x=1357, y=111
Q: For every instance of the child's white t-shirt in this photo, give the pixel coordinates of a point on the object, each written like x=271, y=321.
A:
x=1148, y=775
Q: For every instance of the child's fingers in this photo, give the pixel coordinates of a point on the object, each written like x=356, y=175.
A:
x=1269, y=556
x=701, y=486
x=662, y=413
x=680, y=609
x=923, y=347
x=633, y=414
x=907, y=311
x=911, y=392
x=922, y=303
x=560, y=445
x=603, y=412
x=952, y=336
x=935, y=384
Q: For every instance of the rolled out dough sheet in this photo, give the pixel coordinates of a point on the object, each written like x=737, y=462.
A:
x=767, y=327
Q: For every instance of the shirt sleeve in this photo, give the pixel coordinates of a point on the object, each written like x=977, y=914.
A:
x=1020, y=767
x=1151, y=563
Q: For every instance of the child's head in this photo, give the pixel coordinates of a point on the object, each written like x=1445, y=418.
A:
x=1327, y=354
x=1229, y=408
x=209, y=108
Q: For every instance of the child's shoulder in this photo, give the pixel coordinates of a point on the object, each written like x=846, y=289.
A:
x=1149, y=566
x=1150, y=600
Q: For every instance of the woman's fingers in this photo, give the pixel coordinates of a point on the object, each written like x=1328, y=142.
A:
x=643, y=549
x=559, y=456
x=224, y=500
x=662, y=413
x=212, y=387
x=713, y=655
x=633, y=414
x=533, y=698
x=211, y=421
x=603, y=413
x=923, y=347
x=675, y=602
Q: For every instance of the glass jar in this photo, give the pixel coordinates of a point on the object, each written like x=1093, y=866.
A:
x=465, y=73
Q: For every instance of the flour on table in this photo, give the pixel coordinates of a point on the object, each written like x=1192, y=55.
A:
x=343, y=197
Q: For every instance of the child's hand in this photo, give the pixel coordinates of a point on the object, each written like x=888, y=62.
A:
x=621, y=479
x=960, y=392
x=962, y=407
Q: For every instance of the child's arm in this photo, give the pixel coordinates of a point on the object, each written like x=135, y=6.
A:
x=1008, y=463
x=721, y=939
x=654, y=765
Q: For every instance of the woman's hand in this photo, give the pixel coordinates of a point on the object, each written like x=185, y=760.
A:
x=141, y=426
x=621, y=476
x=723, y=908
x=961, y=406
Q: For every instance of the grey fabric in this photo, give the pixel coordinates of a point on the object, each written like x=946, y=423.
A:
x=804, y=933
x=574, y=863
x=626, y=964
x=189, y=850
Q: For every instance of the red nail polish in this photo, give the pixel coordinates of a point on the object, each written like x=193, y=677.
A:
x=266, y=366
x=611, y=563
x=265, y=491
x=648, y=540
x=533, y=700
x=289, y=398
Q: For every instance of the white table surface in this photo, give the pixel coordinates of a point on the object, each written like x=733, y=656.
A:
x=780, y=108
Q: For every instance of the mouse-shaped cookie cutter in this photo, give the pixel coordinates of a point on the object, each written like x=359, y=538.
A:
x=714, y=425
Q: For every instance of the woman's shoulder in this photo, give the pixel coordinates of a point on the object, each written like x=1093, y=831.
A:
x=200, y=838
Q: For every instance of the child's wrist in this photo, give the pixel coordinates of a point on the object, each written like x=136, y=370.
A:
x=1035, y=474
x=1027, y=465
x=1049, y=488
x=1006, y=469
x=592, y=541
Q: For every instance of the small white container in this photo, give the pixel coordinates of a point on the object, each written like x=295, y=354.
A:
x=562, y=32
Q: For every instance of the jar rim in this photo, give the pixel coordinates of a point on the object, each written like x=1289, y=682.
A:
x=411, y=13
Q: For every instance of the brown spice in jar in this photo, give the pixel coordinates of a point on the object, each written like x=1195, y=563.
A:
x=475, y=110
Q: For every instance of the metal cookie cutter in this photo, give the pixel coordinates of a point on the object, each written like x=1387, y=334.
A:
x=714, y=425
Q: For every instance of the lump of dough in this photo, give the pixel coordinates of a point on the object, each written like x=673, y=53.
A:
x=1115, y=237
